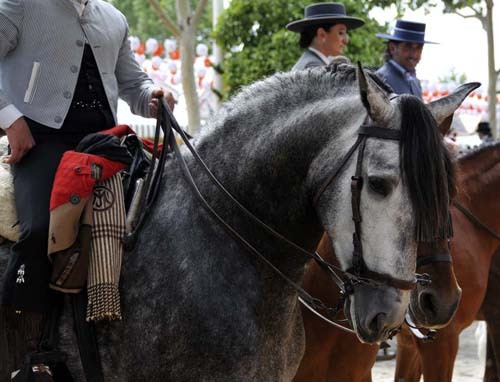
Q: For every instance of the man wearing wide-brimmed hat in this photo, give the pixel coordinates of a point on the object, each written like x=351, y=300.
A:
x=323, y=33
x=404, y=50
x=484, y=132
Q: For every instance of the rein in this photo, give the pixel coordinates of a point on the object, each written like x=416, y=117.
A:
x=474, y=219
x=346, y=287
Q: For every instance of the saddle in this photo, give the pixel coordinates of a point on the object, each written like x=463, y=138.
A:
x=70, y=267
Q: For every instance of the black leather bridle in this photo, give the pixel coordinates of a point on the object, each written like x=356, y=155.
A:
x=346, y=280
x=359, y=268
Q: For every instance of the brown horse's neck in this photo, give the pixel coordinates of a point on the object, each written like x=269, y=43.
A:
x=479, y=185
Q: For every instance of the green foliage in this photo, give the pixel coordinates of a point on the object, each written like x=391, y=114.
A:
x=257, y=43
x=144, y=22
x=453, y=76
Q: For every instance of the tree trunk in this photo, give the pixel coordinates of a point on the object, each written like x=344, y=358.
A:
x=187, y=53
x=492, y=73
x=217, y=50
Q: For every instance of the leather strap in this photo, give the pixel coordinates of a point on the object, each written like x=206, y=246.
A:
x=86, y=338
x=441, y=258
x=473, y=218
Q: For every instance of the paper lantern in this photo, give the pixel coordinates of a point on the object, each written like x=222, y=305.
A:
x=140, y=58
x=156, y=62
x=174, y=54
x=151, y=45
x=135, y=42
x=159, y=51
x=172, y=67
x=170, y=45
x=201, y=50
x=141, y=49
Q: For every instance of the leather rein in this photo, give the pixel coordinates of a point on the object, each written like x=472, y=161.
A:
x=345, y=280
x=474, y=219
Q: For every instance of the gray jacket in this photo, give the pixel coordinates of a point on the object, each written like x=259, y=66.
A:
x=396, y=79
x=41, y=48
x=308, y=60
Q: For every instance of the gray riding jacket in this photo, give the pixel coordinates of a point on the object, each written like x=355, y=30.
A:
x=41, y=48
x=308, y=60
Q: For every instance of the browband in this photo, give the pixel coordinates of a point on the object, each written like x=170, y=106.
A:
x=379, y=132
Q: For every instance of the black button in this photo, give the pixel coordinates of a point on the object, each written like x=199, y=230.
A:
x=79, y=43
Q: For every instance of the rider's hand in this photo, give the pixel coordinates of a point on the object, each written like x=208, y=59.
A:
x=167, y=96
x=20, y=141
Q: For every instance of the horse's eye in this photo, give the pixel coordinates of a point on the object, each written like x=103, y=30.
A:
x=379, y=185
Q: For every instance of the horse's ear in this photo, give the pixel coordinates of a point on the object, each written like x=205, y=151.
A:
x=443, y=108
x=374, y=98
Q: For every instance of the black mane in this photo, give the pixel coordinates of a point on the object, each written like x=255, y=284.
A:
x=428, y=170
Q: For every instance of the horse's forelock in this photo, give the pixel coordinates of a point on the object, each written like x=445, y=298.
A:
x=428, y=170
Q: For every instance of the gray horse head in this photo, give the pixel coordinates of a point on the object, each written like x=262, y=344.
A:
x=405, y=199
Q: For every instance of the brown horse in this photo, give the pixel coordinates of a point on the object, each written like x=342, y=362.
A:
x=334, y=355
x=330, y=352
x=490, y=312
x=473, y=247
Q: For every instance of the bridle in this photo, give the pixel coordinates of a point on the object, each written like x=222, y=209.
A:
x=345, y=280
x=359, y=268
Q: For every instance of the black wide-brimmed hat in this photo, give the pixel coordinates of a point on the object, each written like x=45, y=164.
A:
x=325, y=13
x=483, y=127
x=407, y=31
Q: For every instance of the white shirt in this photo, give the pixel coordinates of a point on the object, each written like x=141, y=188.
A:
x=325, y=59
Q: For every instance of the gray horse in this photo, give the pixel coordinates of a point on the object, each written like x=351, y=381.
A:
x=197, y=306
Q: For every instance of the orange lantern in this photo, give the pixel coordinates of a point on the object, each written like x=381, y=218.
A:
x=141, y=49
x=174, y=54
x=159, y=50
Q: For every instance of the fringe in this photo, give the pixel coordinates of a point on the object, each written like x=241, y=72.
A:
x=103, y=303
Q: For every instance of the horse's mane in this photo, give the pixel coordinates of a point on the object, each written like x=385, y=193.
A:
x=303, y=86
x=476, y=165
x=427, y=168
x=425, y=163
x=275, y=94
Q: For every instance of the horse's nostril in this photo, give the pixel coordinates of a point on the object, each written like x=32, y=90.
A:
x=378, y=323
x=427, y=302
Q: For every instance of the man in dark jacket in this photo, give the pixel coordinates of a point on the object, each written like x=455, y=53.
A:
x=404, y=50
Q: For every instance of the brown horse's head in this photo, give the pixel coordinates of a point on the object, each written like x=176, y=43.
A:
x=434, y=305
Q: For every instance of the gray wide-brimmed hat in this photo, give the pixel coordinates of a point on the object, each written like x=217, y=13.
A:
x=407, y=31
x=325, y=13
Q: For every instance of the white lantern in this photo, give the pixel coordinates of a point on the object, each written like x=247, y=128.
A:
x=156, y=62
x=151, y=45
x=201, y=50
x=170, y=45
x=135, y=42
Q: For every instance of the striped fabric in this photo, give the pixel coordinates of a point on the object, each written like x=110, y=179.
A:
x=41, y=48
x=107, y=250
